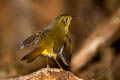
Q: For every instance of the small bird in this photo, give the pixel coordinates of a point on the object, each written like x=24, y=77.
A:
x=52, y=41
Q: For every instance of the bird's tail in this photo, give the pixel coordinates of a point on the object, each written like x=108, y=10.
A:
x=32, y=55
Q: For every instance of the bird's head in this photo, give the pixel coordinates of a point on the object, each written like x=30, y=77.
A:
x=64, y=20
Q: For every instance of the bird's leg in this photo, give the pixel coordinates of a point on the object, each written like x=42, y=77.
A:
x=58, y=63
x=47, y=61
x=45, y=52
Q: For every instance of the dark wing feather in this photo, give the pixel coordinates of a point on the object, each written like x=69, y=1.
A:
x=64, y=50
x=67, y=50
x=33, y=39
x=66, y=55
x=32, y=55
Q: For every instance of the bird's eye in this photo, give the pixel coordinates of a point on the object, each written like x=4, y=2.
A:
x=66, y=19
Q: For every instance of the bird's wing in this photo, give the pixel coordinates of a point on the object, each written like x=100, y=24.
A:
x=58, y=45
x=67, y=50
x=32, y=55
x=64, y=50
x=67, y=40
x=33, y=39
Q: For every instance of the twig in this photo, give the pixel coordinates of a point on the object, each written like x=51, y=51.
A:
x=108, y=57
x=102, y=35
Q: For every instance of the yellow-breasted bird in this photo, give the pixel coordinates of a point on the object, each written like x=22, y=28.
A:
x=52, y=41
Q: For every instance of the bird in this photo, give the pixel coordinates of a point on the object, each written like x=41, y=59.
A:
x=51, y=41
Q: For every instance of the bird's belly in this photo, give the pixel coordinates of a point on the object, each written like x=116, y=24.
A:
x=47, y=53
x=48, y=48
